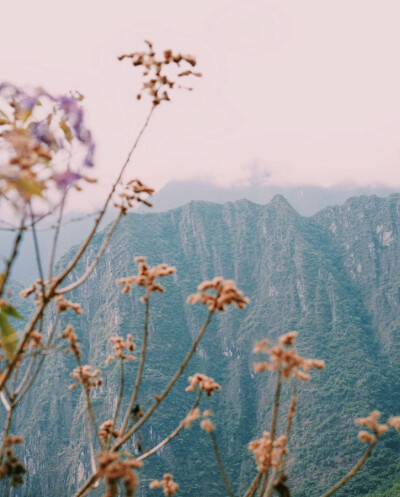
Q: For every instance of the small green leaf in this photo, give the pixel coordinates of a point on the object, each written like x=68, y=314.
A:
x=11, y=311
x=9, y=337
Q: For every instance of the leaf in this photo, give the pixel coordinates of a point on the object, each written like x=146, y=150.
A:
x=9, y=337
x=66, y=130
x=3, y=118
x=11, y=311
x=30, y=186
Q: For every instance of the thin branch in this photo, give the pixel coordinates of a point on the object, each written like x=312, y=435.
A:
x=141, y=367
x=89, y=427
x=352, y=472
x=14, y=253
x=90, y=269
x=7, y=427
x=4, y=401
x=37, y=250
x=291, y=413
x=58, y=280
x=85, y=244
x=26, y=383
x=159, y=398
x=172, y=435
x=56, y=234
x=221, y=465
x=121, y=392
x=273, y=428
x=254, y=485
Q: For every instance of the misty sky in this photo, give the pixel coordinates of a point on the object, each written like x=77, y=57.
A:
x=293, y=92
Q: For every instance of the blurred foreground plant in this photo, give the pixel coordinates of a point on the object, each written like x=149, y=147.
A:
x=45, y=150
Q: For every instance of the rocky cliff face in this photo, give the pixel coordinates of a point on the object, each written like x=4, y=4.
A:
x=334, y=277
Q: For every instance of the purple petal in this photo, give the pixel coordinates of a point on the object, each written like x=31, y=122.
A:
x=66, y=179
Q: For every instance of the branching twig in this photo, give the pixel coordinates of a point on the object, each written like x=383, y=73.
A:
x=56, y=234
x=121, y=392
x=254, y=485
x=172, y=435
x=140, y=369
x=291, y=413
x=14, y=252
x=221, y=465
x=352, y=472
x=90, y=269
x=159, y=398
x=273, y=428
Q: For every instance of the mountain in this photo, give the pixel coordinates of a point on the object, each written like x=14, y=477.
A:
x=306, y=199
x=334, y=277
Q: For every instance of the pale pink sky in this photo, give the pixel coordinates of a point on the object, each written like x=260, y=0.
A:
x=308, y=90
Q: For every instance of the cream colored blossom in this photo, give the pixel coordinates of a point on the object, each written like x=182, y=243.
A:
x=204, y=383
x=224, y=292
x=284, y=358
x=167, y=484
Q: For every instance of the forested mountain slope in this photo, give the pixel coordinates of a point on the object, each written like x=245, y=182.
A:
x=334, y=277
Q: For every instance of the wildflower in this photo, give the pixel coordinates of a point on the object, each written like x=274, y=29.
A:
x=36, y=338
x=106, y=429
x=120, y=345
x=207, y=425
x=225, y=294
x=87, y=377
x=395, y=422
x=158, y=85
x=204, y=382
x=146, y=277
x=371, y=422
x=285, y=360
x=74, y=346
x=133, y=192
x=167, y=484
x=192, y=416
x=32, y=139
x=64, y=304
x=267, y=452
x=114, y=469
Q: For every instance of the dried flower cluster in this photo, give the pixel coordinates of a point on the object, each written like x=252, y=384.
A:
x=146, y=277
x=64, y=304
x=74, y=347
x=36, y=339
x=167, y=484
x=119, y=345
x=133, y=192
x=204, y=383
x=372, y=423
x=114, y=469
x=196, y=414
x=106, y=430
x=159, y=84
x=285, y=360
x=87, y=377
x=395, y=422
x=35, y=128
x=268, y=452
x=225, y=294
x=12, y=468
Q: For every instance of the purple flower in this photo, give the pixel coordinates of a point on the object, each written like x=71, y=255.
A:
x=64, y=180
x=88, y=162
x=28, y=102
x=40, y=131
